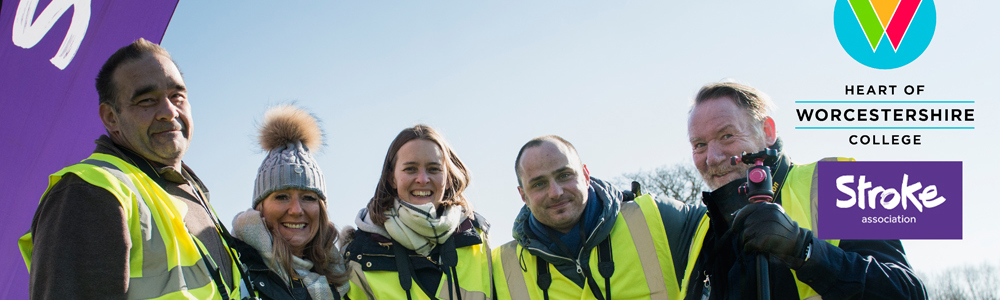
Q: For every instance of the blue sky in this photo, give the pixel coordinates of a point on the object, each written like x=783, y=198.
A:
x=614, y=78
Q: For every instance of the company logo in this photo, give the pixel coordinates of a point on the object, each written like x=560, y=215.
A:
x=890, y=200
x=884, y=34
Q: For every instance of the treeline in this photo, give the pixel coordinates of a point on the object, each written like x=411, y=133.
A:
x=980, y=281
x=679, y=181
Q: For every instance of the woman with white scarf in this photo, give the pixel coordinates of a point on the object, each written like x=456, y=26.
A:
x=286, y=239
x=419, y=237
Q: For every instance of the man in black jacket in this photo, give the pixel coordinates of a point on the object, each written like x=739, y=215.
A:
x=728, y=119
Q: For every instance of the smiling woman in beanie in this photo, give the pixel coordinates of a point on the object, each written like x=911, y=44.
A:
x=286, y=239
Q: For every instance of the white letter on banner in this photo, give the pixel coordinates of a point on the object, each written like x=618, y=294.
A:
x=842, y=182
x=929, y=193
x=28, y=33
x=908, y=191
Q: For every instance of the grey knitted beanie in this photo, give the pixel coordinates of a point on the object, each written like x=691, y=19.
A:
x=289, y=134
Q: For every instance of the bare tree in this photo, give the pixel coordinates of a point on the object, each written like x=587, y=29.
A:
x=945, y=286
x=980, y=281
x=679, y=181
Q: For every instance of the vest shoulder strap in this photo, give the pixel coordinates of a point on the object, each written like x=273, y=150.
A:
x=693, y=254
x=144, y=216
x=801, y=204
x=101, y=174
x=641, y=229
x=513, y=271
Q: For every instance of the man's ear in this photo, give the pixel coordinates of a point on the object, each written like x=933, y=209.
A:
x=586, y=174
x=770, y=132
x=109, y=117
x=521, y=191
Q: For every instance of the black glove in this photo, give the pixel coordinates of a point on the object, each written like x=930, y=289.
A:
x=767, y=229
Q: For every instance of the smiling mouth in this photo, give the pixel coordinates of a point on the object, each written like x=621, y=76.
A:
x=167, y=131
x=421, y=193
x=722, y=174
x=168, y=127
x=294, y=226
x=559, y=205
x=169, y=134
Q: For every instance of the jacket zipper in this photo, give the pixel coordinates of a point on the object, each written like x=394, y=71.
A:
x=706, y=292
x=579, y=257
x=579, y=268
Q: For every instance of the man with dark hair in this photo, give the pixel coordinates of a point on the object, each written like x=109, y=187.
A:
x=728, y=119
x=132, y=221
x=578, y=237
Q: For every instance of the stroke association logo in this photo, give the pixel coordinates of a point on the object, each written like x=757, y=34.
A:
x=889, y=200
x=884, y=34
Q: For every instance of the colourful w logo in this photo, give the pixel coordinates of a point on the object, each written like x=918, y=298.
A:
x=884, y=17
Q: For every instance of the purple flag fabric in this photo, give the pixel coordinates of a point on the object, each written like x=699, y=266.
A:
x=50, y=53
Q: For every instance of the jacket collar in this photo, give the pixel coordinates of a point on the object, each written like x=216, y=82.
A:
x=248, y=256
x=723, y=202
x=106, y=145
x=610, y=199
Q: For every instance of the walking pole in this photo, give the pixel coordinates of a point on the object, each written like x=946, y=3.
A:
x=758, y=189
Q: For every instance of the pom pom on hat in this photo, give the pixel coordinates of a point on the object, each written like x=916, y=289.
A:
x=289, y=134
x=286, y=124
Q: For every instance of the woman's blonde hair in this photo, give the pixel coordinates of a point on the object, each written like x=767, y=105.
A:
x=315, y=251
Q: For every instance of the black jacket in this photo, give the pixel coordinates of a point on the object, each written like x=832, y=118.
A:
x=857, y=269
x=376, y=253
x=267, y=283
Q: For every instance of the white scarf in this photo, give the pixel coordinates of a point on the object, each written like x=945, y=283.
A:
x=248, y=226
x=419, y=227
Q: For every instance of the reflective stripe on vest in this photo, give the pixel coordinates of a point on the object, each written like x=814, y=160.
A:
x=637, y=239
x=164, y=261
x=799, y=200
x=802, y=184
x=473, y=269
x=693, y=253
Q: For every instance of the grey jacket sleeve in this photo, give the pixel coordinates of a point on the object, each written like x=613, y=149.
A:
x=81, y=244
x=681, y=223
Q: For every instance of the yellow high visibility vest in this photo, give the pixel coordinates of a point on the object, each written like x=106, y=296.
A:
x=472, y=268
x=644, y=267
x=798, y=198
x=164, y=260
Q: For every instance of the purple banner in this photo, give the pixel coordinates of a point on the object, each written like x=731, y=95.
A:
x=50, y=53
x=890, y=200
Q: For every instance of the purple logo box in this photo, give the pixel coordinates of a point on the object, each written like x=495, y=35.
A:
x=897, y=200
